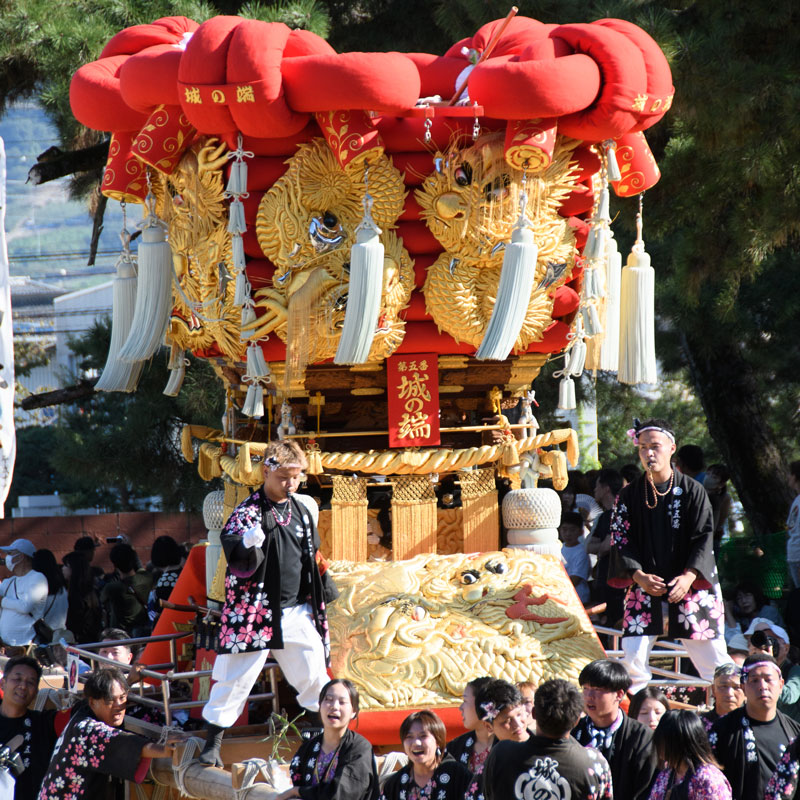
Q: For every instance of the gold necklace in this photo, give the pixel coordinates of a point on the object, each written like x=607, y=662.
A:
x=656, y=494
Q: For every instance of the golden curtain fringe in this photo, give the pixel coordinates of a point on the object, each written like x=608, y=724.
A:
x=481, y=519
x=414, y=520
x=348, y=537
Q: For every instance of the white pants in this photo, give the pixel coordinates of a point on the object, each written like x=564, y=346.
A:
x=706, y=655
x=302, y=661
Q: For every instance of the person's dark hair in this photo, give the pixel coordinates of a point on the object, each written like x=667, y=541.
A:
x=654, y=422
x=572, y=518
x=499, y=695
x=114, y=635
x=476, y=684
x=431, y=723
x=80, y=588
x=756, y=658
x=681, y=736
x=165, y=552
x=98, y=684
x=45, y=562
x=557, y=706
x=612, y=479
x=751, y=587
x=85, y=545
x=721, y=471
x=351, y=690
x=605, y=673
x=648, y=693
x=124, y=557
x=630, y=472
x=23, y=661
x=691, y=457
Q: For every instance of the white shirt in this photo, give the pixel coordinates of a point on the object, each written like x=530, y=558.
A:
x=793, y=531
x=56, y=609
x=23, y=599
x=576, y=562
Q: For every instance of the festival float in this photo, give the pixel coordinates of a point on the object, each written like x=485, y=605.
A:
x=376, y=252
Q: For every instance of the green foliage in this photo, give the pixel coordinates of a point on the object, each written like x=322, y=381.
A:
x=306, y=14
x=113, y=450
x=29, y=353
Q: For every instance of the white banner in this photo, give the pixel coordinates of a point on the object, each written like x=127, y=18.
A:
x=8, y=439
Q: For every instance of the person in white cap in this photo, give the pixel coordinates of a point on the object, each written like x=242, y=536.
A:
x=22, y=597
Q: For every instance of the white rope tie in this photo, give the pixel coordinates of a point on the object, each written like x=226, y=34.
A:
x=188, y=756
x=253, y=767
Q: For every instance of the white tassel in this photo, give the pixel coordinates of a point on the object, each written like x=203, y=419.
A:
x=577, y=358
x=637, y=348
x=175, y=381
x=566, y=394
x=248, y=314
x=257, y=368
x=595, y=247
x=612, y=166
x=591, y=320
x=237, y=248
x=236, y=223
x=237, y=181
x=364, y=292
x=514, y=289
x=242, y=291
x=121, y=376
x=254, y=401
x=609, y=352
x=154, y=292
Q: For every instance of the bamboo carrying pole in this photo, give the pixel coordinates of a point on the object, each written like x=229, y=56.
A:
x=210, y=783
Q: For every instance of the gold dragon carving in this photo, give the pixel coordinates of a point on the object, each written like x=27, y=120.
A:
x=192, y=202
x=413, y=633
x=470, y=203
x=306, y=225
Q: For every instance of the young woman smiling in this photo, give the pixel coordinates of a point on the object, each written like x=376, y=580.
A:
x=430, y=774
x=338, y=764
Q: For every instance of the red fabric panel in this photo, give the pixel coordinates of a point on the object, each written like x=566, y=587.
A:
x=416, y=311
x=519, y=32
x=259, y=273
x=254, y=59
x=421, y=264
x=659, y=76
x=277, y=146
x=167, y=30
x=581, y=199
x=274, y=349
x=588, y=162
x=414, y=166
x=408, y=133
x=424, y=337
x=262, y=172
x=411, y=208
x=191, y=582
x=204, y=66
x=417, y=238
x=149, y=78
x=367, y=81
x=95, y=98
x=252, y=249
x=531, y=89
x=250, y=204
x=623, y=80
x=581, y=230
x=636, y=165
x=437, y=74
x=383, y=727
x=555, y=339
x=566, y=301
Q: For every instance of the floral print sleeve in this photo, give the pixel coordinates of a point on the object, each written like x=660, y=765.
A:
x=784, y=781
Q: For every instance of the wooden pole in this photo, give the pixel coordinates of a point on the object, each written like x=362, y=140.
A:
x=486, y=53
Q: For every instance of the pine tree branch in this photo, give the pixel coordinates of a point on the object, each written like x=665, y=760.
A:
x=59, y=396
x=55, y=163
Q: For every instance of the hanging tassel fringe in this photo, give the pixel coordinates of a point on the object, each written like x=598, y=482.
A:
x=154, y=293
x=577, y=358
x=566, y=394
x=364, y=292
x=254, y=401
x=175, y=381
x=514, y=290
x=257, y=368
x=596, y=242
x=609, y=352
x=118, y=375
x=612, y=166
x=236, y=223
x=637, y=350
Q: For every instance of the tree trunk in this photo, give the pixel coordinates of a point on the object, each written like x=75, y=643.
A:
x=68, y=394
x=55, y=163
x=731, y=398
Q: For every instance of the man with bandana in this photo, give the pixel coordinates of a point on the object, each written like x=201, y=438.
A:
x=750, y=742
x=274, y=596
x=662, y=533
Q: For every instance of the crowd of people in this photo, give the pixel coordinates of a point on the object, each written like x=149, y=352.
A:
x=654, y=535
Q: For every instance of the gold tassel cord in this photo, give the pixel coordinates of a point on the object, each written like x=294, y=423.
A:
x=348, y=538
x=413, y=517
x=480, y=515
